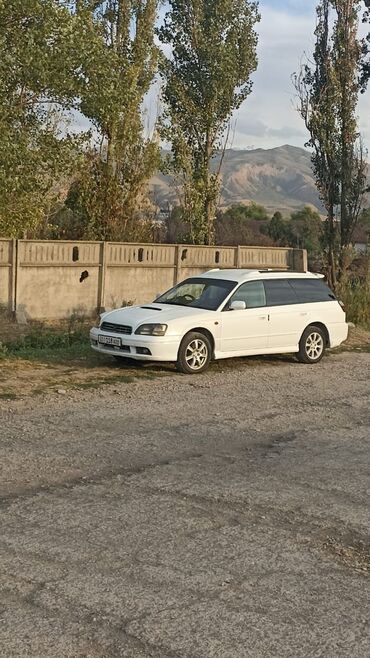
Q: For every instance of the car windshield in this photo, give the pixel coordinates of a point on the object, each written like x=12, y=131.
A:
x=198, y=293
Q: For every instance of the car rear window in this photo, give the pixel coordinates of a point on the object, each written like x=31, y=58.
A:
x=311, y=290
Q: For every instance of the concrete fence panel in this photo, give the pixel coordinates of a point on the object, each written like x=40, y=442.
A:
x=52, y=280
x=57, y=279
x=261, y=257
x=136, y=273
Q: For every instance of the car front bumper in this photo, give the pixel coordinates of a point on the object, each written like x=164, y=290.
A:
x=141, y=348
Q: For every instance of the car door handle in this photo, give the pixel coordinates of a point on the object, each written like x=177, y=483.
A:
x=262, y=317
x=304, y=313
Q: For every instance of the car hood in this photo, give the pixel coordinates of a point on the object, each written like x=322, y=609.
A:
x=151, y=313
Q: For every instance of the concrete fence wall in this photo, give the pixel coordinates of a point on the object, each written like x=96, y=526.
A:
x=53, y=280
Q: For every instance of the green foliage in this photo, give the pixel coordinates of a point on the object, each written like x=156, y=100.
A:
x=99, y=58
x=42, y=337
x=355, y=294
x=45, y=340
x=207, y=77
x=304, y=230
x=307, y=230
x=241, y=224
x=104, y=207
x=279, y=229
x=118, y=65
x=3, y=351
x=175, y=226
x=37, y=79
x=328, y=90
x=243, y=212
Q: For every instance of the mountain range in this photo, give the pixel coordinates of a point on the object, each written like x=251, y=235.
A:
x=279, y=179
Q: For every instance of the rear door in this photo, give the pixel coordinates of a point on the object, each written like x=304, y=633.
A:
x=287, y=317
x=247, y=330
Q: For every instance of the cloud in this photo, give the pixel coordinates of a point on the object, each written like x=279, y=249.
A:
x=256, y=128
x=269, y=117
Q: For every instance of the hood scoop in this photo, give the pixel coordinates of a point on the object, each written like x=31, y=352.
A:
x=150, y=308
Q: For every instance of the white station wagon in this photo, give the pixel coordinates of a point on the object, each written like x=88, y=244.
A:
x=227, y=313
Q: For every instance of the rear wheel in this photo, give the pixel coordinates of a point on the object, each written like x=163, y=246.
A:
x=312, y=345
x=194, y=354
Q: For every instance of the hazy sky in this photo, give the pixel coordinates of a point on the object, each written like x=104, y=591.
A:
x=269, y=118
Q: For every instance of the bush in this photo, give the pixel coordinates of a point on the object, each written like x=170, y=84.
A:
x=3, y=351
x=355, y=294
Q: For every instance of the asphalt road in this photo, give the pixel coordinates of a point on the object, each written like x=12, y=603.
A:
x=222, y=516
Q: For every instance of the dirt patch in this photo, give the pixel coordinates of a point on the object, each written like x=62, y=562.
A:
x=20, y=378
x=353, y=553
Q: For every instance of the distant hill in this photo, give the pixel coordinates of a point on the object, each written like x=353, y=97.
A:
x=279, y=179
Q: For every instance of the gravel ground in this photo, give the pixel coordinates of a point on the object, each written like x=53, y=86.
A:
x=223, y=516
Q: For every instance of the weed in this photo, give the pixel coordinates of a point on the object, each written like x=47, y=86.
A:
x=355, y=294
x=3, y=351
x=42, y=338
x=8, y=395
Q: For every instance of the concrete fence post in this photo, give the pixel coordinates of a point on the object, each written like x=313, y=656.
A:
x=238, y=257
x=14, y=278
x=102, y=277
x=178, y=252
x=300, y=261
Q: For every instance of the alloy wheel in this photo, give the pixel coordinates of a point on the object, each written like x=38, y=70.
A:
x=314, y=346
x=196, y=354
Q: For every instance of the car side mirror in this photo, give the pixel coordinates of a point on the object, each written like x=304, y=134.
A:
x=238, y=306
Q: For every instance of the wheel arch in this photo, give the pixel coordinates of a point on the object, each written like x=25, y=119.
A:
x=206, y=332
x=321, y=326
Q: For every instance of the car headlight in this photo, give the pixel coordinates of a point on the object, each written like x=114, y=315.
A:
x=151, y=330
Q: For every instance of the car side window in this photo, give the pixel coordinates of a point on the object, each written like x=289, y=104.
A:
x=252, y=293
x=279, y=292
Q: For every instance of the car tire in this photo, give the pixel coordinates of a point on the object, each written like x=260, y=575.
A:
x=312, y=345
x=194, y=354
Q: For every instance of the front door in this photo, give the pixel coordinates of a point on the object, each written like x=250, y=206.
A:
x=246, y=331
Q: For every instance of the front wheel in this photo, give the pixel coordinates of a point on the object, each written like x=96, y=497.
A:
x=312, y=345
x=194, y=354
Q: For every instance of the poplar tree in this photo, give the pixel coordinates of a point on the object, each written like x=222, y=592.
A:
x=206, y=78
x=117, y=70
x=328, y=91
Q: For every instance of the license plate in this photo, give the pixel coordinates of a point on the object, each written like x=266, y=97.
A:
x=110, y=340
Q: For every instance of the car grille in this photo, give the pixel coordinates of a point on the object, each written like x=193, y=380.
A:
x=116, y=328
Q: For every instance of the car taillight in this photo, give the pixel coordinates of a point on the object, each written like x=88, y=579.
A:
x=342, y=305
